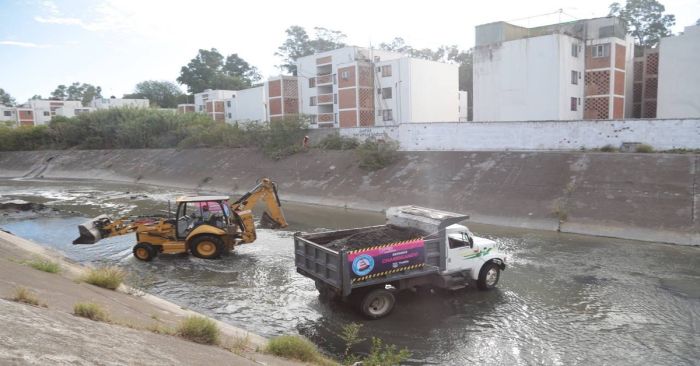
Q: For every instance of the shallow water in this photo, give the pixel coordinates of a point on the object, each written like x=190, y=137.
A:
x=564, y=299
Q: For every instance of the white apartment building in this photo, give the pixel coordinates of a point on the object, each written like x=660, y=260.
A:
x=106, y=103
x=247, y=105
x=43, y=110
x=8, y=115
x=355, y=87
x=211, y=102
x=679, y=76
x=567, y=71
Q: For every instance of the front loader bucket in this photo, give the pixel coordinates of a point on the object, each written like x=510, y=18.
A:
x=90, y=230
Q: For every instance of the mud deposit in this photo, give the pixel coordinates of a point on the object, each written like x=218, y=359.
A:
x=378, y=236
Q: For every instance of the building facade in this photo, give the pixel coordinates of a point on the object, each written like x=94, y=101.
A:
x=106, y=103
x=247, y=105
x=646, y=81
x=212, y=103
x=679, y=75
x=567, y=71
x=359, y=87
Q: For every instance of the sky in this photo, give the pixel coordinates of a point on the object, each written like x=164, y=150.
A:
x=117, y=43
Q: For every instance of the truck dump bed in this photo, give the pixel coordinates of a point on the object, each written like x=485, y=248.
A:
x=408, y=246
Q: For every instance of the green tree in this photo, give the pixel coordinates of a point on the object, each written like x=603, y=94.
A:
x=163, y=94
x=209, y=71
x=6, y=98
x=645, y=20
x=35, y=97
x=83, y=92
x=299, y=44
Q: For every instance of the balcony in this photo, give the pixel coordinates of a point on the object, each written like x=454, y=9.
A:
x=324, y=80
x=326, y=117
x=325, y=99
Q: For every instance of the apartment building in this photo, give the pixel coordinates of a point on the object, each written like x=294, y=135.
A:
x=8, y=115
x=185, y=108
x=567, y=71
x=247, y=105
x=355, y=87
x=106, y=103
x=42, y=110
x=212, y=103
x=679, y=78
x=283, y=94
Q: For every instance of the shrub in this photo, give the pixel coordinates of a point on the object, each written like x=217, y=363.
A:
x=25, y=296
x=91, y=311
x=385, y=355
x=108, y=277
x=608, y=148
x=45, y=265
x=377, y=154
x=351, y=336
x=199, y=329
x=337, y=142
x=644, y=148
x=296, y=348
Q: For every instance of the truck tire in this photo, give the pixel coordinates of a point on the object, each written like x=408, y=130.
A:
x=377, y=303
x=488, y=276
x=145, y=252
x=207, y=246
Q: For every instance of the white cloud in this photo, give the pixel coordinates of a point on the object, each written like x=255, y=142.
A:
x=24, y=44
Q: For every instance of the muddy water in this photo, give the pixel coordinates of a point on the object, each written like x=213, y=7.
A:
x=564, y=299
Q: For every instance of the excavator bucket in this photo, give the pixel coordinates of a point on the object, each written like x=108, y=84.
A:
x=267, y=222
x=90, y=230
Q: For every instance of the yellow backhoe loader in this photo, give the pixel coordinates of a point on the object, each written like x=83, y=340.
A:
x=206, y=226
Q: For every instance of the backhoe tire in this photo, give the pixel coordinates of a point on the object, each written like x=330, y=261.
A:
x=207, y=247
x=145, y=252
x=377, y=303
x=488, y=276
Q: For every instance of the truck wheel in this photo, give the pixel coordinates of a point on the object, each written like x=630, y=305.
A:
x=144, y=252
x=488, y=276
x=207, y=247
x=377, y=303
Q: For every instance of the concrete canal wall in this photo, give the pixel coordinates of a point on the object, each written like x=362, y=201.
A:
x=651, y=197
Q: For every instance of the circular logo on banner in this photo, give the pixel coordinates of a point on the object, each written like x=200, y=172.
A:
x=362, y=264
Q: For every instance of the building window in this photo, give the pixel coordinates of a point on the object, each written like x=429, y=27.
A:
x=312, y=82
x=47, y=113
x=386, y=93
x=228, y=103
x=386, y=71
x=574, y=50
x=313, y=119
x=229, y=116
x=574, y=77
x=344, y=75
x=387, y=115
x=201, y=108
x=335, y=98
x=312, y=101
x=7, y=113
x=574, y=104
x=335, y=81
x=600, y=50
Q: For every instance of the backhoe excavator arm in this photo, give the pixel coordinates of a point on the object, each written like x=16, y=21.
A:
x=273, y=217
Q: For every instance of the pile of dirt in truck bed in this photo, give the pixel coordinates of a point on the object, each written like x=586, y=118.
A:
x=381, y=235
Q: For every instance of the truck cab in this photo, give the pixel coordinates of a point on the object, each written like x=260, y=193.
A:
x=467, y=254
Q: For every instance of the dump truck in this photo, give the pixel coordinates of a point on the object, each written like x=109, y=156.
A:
x=206, y=226
x=417, y=248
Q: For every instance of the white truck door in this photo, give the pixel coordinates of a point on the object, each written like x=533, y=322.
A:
x=461, y=255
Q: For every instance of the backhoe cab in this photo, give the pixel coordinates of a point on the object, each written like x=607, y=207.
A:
x=206, y=226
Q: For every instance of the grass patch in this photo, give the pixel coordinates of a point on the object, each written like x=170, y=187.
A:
x=45, y=265
x=107, y=277
x=608, y=148
x=91, y=311
x=296, y=348
x=644, y=148
x=240, y=345
x=337, y=142
x=160, y=329
x=377, y=154
x=199, y=329
x=25, y=296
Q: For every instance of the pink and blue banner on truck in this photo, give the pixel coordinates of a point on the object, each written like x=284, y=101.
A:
x=385, y=259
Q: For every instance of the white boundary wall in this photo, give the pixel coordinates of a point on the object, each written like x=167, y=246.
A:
x=662, y=134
